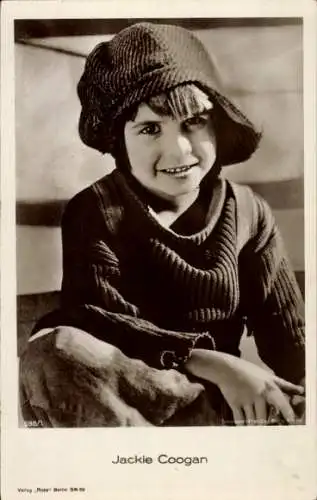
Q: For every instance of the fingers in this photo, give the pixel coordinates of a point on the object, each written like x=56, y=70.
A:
x=256, y=414
x=260, y=408
x=237, y=416
x=274, y=417
x=298, y=405
x=288, y=386
x=249, y=415
x=297, y=400
x=276, y=398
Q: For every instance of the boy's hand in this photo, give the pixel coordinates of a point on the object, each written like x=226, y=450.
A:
x=249, y=390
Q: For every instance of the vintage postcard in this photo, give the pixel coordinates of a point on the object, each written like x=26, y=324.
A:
x=158, y=250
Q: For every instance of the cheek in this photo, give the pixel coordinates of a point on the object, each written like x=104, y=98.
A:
x=205, y=146
x=142, y=156
x=131, y=149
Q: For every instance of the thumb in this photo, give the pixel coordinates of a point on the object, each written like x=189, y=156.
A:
x=288, y=387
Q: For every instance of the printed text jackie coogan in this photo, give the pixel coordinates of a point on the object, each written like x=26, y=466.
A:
x=162, y=458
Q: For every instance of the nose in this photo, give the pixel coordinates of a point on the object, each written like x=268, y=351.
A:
x=179, y=146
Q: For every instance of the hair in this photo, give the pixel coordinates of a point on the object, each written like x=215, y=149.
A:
x=181, y=102
x=233, y=141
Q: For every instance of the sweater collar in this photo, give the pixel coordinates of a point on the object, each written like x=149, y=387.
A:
x=150, y=227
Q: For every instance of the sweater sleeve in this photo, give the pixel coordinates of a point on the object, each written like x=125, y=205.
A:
x=91, y=298
x=270, y=297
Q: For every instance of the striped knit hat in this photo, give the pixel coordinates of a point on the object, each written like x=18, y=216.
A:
x=139, y=62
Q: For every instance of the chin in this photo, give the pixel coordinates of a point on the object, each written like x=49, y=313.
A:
x=189, y=186
x=184, y=191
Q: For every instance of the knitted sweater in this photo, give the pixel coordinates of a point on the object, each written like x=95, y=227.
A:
x=154, y=292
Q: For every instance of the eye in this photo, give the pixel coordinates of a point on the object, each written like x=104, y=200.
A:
x=150, y=129
x=196, y=122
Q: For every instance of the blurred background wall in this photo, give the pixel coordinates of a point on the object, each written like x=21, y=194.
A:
x=261, y=61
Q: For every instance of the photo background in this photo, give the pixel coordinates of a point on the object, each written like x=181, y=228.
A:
x=261, y=61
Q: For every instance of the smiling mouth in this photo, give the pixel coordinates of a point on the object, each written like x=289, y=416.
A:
x=178, y=170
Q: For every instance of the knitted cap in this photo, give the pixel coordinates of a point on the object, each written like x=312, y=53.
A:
x=139, y=62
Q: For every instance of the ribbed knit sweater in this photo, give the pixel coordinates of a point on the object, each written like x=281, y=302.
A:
x=152, y=291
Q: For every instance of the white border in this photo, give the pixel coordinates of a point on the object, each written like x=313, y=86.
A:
x=244, y=463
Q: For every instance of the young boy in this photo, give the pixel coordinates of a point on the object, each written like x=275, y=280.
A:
x=164, y=262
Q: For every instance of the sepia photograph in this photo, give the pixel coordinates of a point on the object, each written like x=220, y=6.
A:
x=158, y=252
x=160, y=211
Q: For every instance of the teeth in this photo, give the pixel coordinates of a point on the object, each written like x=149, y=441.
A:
x=177, y=170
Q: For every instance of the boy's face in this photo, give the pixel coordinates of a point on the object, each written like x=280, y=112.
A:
x=170, y=156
